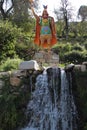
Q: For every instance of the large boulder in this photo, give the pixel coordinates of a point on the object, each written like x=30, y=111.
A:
x=29, y=65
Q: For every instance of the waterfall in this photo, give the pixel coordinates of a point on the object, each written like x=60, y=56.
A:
x=52, y=105
x=67, y=105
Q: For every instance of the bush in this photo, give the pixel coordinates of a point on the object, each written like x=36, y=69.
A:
x=77, y=47
x=74, y=53
x=10, y=37
x=85, y=44
x=85, y=127
x=81, y=81
x=13, y=102
x=73, y=57
x=84, y=53
x=25, y=51
x=10, y=64
x=59, y=48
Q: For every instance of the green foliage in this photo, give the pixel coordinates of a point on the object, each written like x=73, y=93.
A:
x=10, y=64
x=81, y=79
x=71, y=53
x=13, y=105
x=27, y=25
x=85, y=127
x=61, y=48
x=13, y=41
x=75, y=57
x=8, y=38
x=81, y=29
x=84, y=53
x=77, y=47
x=21, y=15
x=25, y=51
x=85, y=44
x=59, y=27
x=77, y=30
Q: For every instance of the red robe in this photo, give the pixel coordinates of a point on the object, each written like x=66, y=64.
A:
x=37, y=35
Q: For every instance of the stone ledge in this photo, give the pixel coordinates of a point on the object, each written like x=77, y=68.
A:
x=29, y=65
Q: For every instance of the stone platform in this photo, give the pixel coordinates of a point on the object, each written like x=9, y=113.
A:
x=46, y=57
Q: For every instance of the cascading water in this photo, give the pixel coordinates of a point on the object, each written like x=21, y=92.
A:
x=52, y=105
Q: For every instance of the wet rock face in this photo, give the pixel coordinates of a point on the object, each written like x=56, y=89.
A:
x=52, y=70
x=54, y=82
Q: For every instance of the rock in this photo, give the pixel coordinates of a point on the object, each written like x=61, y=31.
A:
x=46, y=57
x=1, y=96
x=16, y=93
x=39, y=55
x=69, y=67
x=84, y=63
x=1, y=84
x=55, y=58
x=78, y=67
x=83, y=68
x=18, y=73
x=7, y=74
x=14, y=81
x=29, y=65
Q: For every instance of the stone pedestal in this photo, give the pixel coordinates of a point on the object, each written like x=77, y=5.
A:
x=48, y=57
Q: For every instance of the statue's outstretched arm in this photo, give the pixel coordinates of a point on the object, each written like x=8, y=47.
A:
x=35, y=15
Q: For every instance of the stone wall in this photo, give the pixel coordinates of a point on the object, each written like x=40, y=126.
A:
x=32, y=68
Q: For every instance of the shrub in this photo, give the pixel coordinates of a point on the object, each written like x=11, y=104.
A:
x=62, y=48
x=77, y=47
x=73, y=57
x=10, y=64
x=84, y=53
x=25, y=51
x=85, y=127
x=85, y=44
x=13, y=102
x=10, y=37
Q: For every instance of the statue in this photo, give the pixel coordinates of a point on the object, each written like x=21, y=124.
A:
x=45, y=35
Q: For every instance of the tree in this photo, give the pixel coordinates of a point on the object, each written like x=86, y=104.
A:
x=82, y=29
x=4, y=12
x=8, y=36
x=82, y=12
x=65, y=14
x=18, y=9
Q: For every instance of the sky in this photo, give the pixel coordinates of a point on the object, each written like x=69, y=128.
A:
x=56, y=3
